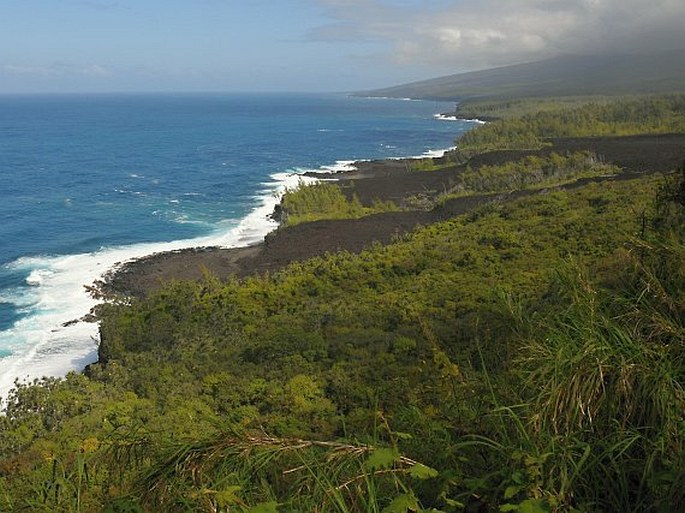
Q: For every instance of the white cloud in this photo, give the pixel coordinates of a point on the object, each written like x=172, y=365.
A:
x=471, y=34
x=16, y=69
x=95, y=70
x=55, y=69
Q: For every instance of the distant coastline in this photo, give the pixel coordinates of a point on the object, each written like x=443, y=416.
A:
x=138, y=276
x=390, y=179
x=41, y=333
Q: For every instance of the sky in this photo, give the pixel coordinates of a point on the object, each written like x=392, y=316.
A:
x=306, y=45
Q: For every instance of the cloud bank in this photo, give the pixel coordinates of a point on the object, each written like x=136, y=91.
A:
x=473, y=34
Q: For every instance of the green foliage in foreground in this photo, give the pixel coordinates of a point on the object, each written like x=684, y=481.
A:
x=325, y=200
x=646, y=115
x=525, y=357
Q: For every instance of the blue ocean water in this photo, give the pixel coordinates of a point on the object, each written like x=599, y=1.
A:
x=89, y=181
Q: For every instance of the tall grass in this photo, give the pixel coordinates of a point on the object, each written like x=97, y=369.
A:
x=250, y=473
x=589, y=369
x=597, y=422
x=603, y=380
x=600, y=423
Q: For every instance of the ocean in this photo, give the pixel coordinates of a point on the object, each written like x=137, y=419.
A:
x=91, y=181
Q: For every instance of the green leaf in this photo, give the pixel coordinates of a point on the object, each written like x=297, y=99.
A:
x=264, y=507
x=454, y=504
x=402, y=504
x=518, y=477
x=663, y=478
x=535, y=506
x=421, y=471
x=528, y=506
x=228, y=496
x=509, y=507
x=382, y=458
x=401, y=436
x=513, y=490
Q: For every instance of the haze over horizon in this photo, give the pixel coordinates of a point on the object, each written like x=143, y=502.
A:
x=307, y=45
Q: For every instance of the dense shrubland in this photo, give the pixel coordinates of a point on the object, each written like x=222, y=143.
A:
x=325, y=200
x=528, y=356
x=531, y=172
x=493, y=109
x=642, y=115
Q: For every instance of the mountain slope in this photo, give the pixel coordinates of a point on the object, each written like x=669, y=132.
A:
x=559, y=76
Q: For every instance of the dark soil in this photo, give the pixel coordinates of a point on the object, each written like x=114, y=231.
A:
x=385, y=180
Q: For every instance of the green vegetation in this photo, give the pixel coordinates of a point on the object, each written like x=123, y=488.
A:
x=526, y=356
x=531, y=172
x=649, y=115
x=325, y=200
x=431, y=164
x=518, y=107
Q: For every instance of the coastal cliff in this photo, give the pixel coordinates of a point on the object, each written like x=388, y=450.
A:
x=507, y=336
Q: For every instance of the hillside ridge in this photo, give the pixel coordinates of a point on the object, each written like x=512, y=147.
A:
x=557, y=76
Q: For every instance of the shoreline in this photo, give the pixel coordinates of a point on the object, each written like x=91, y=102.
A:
x=155, y=268
x=72, y=338
x=388, y=179
x=46, y=306
x=148, y=272
x=68, y=339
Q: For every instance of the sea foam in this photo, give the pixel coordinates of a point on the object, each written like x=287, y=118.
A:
x=143, y=177
x=453, y=117
x=53, y=338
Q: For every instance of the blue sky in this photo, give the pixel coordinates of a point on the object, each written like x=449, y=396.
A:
x=305, y=45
